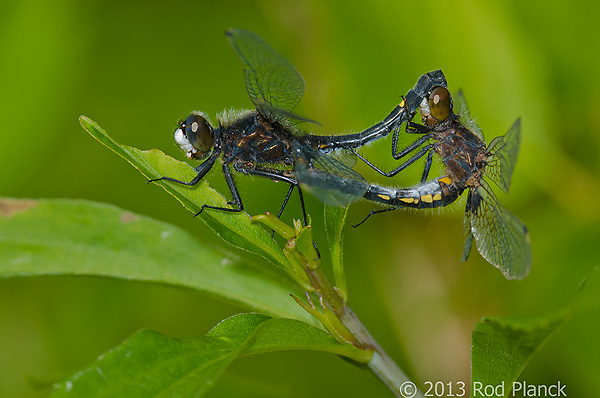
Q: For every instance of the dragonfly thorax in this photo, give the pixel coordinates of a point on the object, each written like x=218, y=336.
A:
x=252, y=139
x=462, y=153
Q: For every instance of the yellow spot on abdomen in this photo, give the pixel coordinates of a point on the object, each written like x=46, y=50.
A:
x=437, y=196
x=384, y=197
x=402, y=104
x=445, y=180
x=408, y=200
x=427, y=198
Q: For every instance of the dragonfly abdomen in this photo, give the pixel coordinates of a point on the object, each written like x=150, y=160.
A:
x=436, y=193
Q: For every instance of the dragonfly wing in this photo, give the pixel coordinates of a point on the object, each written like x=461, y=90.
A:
x=271, y=80
x=278, y=114
x=468, y=234
x=502, y=239
x=502, y=153
x=459, y=104
x=345, y=157
x=330, y=180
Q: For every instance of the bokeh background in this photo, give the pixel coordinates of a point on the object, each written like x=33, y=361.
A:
x=137, y=67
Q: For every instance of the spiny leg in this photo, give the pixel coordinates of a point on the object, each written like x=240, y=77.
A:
x=427, y=166
x=285, y=201
x=236, y=199
x=372, y=213
x=202, y=169
x=404, y=165
x=278, y=175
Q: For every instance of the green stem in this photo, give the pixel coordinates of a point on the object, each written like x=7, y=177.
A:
x=380, y=364
x=336, y=315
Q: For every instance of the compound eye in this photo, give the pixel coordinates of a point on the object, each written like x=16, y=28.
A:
x=198, y=132
x=440, y=103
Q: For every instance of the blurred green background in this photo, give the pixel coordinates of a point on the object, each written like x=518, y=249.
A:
x=137, y=67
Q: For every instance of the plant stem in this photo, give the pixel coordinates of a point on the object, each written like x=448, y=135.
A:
x=380, y=364
x=336, y=316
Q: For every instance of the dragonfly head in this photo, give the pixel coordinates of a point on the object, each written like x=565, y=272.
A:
x=195, y=136
x=437, y=106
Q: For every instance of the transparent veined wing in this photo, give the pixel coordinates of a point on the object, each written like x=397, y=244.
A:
x=345, y=157
x=502, y=239
x=330, y=180
x=278, y=114
x=467, y=233
x=271, y=80
x=503, y=152
x=460, y=107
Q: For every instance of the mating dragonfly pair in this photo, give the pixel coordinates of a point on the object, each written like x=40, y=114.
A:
x=267, y=142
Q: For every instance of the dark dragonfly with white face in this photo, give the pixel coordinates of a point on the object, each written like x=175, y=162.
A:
x=266, y=142
x=501, y=238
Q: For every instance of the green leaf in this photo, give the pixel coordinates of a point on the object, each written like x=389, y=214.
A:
x=150, y=364
x=305, y=246
x=335, y=219
x=235, y=228
x=502, y=347
x=74, y=237
x=232, y=384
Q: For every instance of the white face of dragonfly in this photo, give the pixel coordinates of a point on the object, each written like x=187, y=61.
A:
x=184, y=143
x=424, y=108
x=194, y=136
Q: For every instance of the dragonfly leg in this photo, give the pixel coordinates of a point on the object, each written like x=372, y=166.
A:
x=416, y=128
x=285, y=201
x=276, y=175
x=371, y=213
x=236, y=199
x=202, y=169
x=404, y=165
x=427, y=166
x=400, y=154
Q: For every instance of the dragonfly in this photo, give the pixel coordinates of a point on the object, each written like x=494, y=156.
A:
x=267, y=142
x=501, y=238
x=401, y=113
